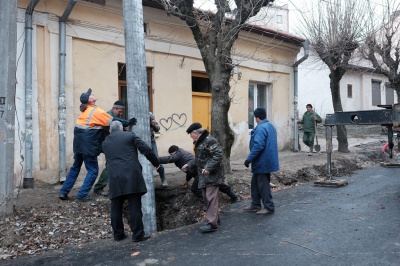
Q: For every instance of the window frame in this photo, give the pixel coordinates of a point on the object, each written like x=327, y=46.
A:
x=349, y=90
x=268, y=91
x=279, y=19
x=122, y=83
x=376, y=98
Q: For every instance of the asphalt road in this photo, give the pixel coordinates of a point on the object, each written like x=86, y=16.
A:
x=358, y=224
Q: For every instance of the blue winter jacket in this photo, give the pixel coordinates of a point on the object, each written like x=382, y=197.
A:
x=263, y=149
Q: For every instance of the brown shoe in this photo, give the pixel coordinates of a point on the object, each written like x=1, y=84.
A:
x=252, y=208
x=265, y=212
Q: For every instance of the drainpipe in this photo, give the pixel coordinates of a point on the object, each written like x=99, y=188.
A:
x=28, y=179
x=61, y=97
x=306, y=45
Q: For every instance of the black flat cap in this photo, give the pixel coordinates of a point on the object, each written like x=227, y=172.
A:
x=193, y=126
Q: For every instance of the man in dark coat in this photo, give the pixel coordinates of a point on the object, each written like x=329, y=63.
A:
x=125, y=179
x=208, y=159
x=181, y=157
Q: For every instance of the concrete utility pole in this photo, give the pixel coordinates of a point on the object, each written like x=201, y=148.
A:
x=8, y=68
x=138, y=98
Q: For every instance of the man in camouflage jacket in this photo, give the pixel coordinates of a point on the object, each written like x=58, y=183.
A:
x=208, y=159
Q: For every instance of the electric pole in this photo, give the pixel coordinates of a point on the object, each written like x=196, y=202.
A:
x=138, y=98
x=8, y=68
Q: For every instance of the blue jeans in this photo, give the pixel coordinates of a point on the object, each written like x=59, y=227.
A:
x=92, y=167
x=261, y=191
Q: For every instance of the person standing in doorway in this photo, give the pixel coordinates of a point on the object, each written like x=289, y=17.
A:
x=309, y=120
x=264, y=160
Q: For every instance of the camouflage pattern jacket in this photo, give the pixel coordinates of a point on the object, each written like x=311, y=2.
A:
x=208, y=155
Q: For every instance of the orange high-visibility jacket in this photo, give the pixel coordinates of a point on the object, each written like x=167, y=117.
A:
x=88, y=131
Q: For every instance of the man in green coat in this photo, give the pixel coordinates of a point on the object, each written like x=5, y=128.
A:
x=116, y=111
x=208, y=159
x=310, y=118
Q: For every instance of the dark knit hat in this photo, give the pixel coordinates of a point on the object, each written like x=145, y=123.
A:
x=85, y=96
x=119, y=104
x=193, y=126
x=260, y=113
x=173, y=148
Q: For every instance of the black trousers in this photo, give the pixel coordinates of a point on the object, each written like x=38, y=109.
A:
x=224, y=188
x=135, y=213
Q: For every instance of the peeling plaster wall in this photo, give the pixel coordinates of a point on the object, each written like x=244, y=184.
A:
x=95, y=46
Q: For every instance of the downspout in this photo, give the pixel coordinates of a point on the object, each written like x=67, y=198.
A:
x=61, y=97
x=28, y=179
x=306, y=45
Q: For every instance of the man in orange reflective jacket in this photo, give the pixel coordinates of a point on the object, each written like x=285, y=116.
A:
x=87, y=145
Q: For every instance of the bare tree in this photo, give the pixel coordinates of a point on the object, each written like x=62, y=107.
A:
x=382, y=46
x=215, y=34
x=335, y=28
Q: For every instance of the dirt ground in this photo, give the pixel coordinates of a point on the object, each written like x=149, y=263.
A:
x=43, y=222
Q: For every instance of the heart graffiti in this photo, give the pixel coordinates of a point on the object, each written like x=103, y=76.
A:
x=179, y=119
x=167, y=123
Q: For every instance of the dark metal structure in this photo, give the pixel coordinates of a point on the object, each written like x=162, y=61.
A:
x=388, y=117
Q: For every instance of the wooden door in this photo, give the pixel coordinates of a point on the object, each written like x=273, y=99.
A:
x=201, y=103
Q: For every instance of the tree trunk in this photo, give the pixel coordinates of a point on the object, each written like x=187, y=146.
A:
x=335, y=78
x=219, y=120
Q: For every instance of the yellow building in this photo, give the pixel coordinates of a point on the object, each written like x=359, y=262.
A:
x=177, y=81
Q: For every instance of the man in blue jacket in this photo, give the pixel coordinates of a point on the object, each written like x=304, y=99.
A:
x=263, y=158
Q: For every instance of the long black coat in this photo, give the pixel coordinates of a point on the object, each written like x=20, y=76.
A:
x=124, y=170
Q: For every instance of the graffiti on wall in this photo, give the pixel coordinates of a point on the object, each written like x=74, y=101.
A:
x=173, y=122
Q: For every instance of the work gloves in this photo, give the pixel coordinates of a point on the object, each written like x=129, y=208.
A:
x=247, y=163
x=132, y=121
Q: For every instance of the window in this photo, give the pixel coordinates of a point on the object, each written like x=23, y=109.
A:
x=258, y=95
x=279, y=19
x=376, y=92
x=123, y=89
x=389, y=95
x=349, y=91
x=200, y=82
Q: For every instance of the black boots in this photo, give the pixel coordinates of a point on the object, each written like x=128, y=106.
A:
x=234, y=198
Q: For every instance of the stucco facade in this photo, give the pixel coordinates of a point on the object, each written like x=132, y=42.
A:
x=94, y=50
